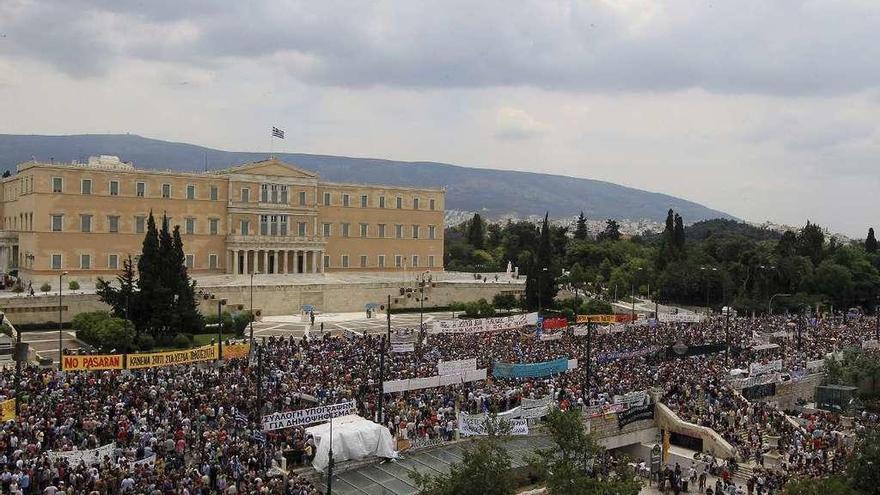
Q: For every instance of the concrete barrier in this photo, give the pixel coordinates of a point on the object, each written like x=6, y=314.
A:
x=713, y=443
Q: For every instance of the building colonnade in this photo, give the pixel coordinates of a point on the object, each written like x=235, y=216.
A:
x=274, y=261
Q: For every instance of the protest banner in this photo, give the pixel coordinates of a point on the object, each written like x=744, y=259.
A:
x=553, y=323
x=534, y=403
x=236, y=351
x=611, y=356
x=187, y=356
x=476, y=425
x=288, y=419
x=680, y=317
x=407, y=384
x=603, y=319
x=402, y=347
x=87, y=456
x=633, y=414
x=456, y=367
x=529, y=370
x=479, y=325
x=96, y=362
x=7, y=410
x=760, y=368
x=632, y=399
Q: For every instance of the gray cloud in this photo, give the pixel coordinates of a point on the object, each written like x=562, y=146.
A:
x=750, y=46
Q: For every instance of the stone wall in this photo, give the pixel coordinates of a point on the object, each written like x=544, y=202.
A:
x=270, y=299
x=788, y=394
x=713, y=443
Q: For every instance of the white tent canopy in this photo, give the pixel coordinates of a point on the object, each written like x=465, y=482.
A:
x=353, y=438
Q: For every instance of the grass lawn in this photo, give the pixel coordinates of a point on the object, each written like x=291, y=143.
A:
x=201, y=339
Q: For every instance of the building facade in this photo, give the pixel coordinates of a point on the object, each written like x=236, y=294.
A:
x=263, y=217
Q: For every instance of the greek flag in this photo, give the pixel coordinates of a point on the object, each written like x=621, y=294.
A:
x=259, y=436
x=276, y=132
x=241, y=417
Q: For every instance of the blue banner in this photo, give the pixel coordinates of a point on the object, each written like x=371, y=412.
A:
x=529, y=370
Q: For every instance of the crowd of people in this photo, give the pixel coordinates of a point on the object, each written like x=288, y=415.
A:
x=195, y=429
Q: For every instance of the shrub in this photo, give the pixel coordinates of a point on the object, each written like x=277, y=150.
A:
x=99, y=329
x=236, y=323
x=46, y=287
x=477, y=309
x=595, y=307
x=145, y=342
x=6, y=329
x=505, y=301
x=73, y=285
x=181, y=341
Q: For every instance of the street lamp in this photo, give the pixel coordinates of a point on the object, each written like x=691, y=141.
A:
x=632, y=295
x=770, y=303
x=544, y=269
x=60, y=333
x=252, y=309
x=706, y=279
x=220, y=304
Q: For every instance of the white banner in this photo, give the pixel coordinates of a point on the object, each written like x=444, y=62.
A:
x=572, y=364
x=549, y=337
x=533, y=403
x=741, y=383
x=402, y=347
x=457, y=367
x=277, y=421
x=475, y=425
x=632, y=399
x=146, y=462
x=392, y=386
x=814, y=366
x=680, y=318
x=87, y=456
x=760, y=369
x=535, y=412
x=484, y=324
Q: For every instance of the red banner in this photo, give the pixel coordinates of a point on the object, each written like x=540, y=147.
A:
x=554, y=323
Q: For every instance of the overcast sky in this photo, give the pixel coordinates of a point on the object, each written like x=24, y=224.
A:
x=765, y=109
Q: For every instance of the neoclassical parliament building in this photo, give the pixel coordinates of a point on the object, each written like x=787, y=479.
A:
x=264, y=217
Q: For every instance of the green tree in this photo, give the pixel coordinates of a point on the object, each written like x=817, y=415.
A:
x=822, y=486
x=541, y=285
x=577, y=464
x=185, y=312
x=476, y=232
x=150, y=280
x=871, y=242
x=862, y=469
x=811, y=242
x=611, y=232
x=678, y=235
x=580, y=231
x=483, y=470
x=123, y=299
x=504, y=300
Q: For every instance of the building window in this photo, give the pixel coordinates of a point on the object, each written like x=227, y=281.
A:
x=87, y=186
x=245, y=195
x=114, y=188
x=56, y=261
x=57, y=184
x=113, y=224
x=244, y=227
x=113, y=261
x=212, y=261
x=415, y=203
x=363, y=261
x=190, y=261
x=85, y=222
x=190, y=191
x=415, y=231
x=381, y=230
x=432, y=232
x=364, y=200
x=327, y=229
x=264, y=193
x=264, y=224
x=190, y=226
x=431, y=204
x=346, y=199
x=166, y=190
x=85, y=261
x=344, y=261
x=326, y=262
x=431, y=261
x=141, y=189
x=381, y=263
x=398, y=231
x=398, y=261
x=345, y=227
x=364, y=229
x=415, y=261
x=214, y=226
x=215, y=193
x=399, y=203
x=302, y=229
x=381, y=201
x=273, y=225
x=326, y=199
x=139, y=223
x=284, y=195
x=57, y=223
x=302, y=198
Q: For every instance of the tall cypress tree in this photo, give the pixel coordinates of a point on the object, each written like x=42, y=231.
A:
x=167, y=275
x=186, y=317
x=667, y=241
x=476, y=232
x=678, y=235
x=149, y=278
x=545, y=279
x=871, y=241
x=580, y=231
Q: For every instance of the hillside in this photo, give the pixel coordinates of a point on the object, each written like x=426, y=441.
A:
x=492, y=192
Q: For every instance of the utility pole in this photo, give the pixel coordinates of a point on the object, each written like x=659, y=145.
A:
x=60, y=326
x=589, y=354
x=330, y=462
x=259, y=380
x=220, y=304
x=382, y=363
x=18, y=359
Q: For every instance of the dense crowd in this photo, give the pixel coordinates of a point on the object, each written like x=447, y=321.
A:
x=194, y=429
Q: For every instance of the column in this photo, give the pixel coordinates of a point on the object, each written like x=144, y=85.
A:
x=315, y=262
x=321, y=265
x=235, y=261
x=282, y=261
x=246, y=261
x=266, y=261
x=296, y=261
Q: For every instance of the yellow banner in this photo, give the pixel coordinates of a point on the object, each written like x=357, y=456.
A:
x=156, y=359
x=235, y=351
x=92, y=363
x=7, y=410
x=604, y=318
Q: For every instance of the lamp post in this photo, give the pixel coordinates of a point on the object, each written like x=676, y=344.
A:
x=632, y=295
x=382, y=363
x=770, y=303
x=589, y=354
x=252, y=309
x=540, y=273
x=706, y=279
x=60, y=325
x=220, y=304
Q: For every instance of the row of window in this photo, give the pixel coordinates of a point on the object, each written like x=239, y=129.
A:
x=140, y=224
x=400, y=261
x=365, y=201
x=380, y=230
x=140, y=189
x=85, y=262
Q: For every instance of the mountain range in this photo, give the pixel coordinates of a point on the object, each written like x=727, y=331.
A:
x=492, y=193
